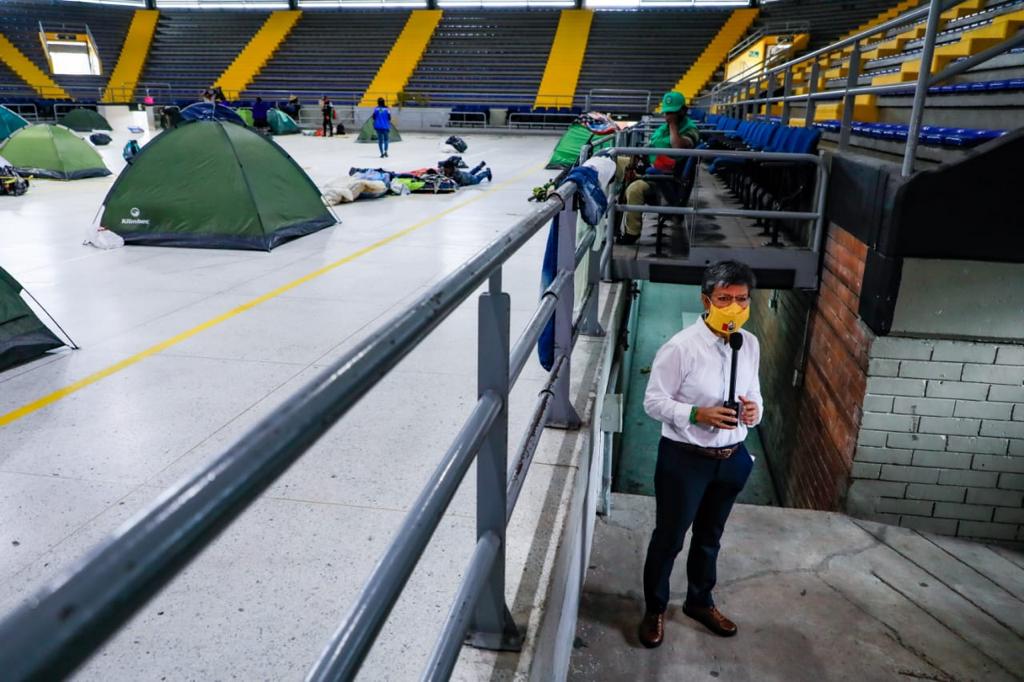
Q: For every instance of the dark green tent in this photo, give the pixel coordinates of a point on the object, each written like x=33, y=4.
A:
x=49, y=151
x=368, y=134
x=22, y=336
x=9, y=122
x=281, y=123
x=567, y=151
x=211, y=184
x=84, y=120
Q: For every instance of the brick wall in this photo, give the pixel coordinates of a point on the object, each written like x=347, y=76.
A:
x=810, y=431
x=941, y=447
x=779, y=319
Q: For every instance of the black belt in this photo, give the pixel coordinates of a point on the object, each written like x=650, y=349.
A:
x=713, y=453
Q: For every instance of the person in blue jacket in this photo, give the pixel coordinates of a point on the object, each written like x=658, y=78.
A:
x=382, y=126
x=259, y=113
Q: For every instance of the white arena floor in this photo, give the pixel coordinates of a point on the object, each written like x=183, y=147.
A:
x=171, y=371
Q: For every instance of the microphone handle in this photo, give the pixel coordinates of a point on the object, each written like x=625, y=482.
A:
x=732, y=378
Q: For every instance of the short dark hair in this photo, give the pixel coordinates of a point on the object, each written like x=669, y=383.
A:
x=380, y=102
x=726, y=273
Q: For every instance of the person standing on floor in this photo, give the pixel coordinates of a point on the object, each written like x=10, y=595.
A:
x=702, y=463
x=327, y=109
x=382, y=126
x=259, y=114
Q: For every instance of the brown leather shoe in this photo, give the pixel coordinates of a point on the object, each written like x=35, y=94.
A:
x=712, y=619
x=652, y=630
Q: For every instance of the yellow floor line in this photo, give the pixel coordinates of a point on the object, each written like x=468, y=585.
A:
x=46, y=400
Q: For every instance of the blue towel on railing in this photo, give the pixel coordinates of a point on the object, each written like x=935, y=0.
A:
x=548, y=271
x=594, y=201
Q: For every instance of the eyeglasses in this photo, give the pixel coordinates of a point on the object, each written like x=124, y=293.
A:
x=722, y=300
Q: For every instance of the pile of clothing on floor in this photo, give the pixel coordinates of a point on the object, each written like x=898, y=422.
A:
x=373, y=183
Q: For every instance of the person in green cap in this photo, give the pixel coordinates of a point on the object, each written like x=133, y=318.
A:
x=677, y=132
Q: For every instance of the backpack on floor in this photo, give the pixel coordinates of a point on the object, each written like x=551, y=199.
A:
x=12, y=184
x=458, y=143
x=340, y=130
x=131, y=149
x=99, y=139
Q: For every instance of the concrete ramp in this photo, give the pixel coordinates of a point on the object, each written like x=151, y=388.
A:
x=817, y=596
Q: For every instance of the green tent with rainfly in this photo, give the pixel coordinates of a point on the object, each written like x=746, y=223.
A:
x=368, y=134
x=9, y=122
x=22, y=336
x=567, y=151
x=281, y=123
x=49, y=151
x=84, y=120
x=217, y=185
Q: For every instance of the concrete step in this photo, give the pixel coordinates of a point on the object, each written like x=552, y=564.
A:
x=816, y=595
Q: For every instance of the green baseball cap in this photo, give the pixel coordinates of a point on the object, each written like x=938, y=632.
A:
x=672, y=101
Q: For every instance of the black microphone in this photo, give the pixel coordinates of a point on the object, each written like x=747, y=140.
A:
x=735, y=342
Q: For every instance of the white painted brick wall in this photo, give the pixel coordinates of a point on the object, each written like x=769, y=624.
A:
x=941, y=445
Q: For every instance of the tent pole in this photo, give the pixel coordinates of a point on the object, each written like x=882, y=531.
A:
x=74, y=346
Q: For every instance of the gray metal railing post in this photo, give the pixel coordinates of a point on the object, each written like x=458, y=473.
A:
x=769, y=93
x=812, y=87
x=849, y=101
x=491, y=626
x=563, y=414
x=787, y=90
x=921, y=92
x=590, y=323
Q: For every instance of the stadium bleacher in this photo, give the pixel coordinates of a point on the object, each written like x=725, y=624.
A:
x=477, y=60
x=968, y=109
x=191, y=49
x=490, y=58
x=19, y=21
x=829, y=20
x=333, y=53
x=646, y=50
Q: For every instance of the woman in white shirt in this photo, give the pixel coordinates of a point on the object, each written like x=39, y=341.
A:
x=702, y=463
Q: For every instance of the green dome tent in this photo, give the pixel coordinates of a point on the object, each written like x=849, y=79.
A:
x=246, y=115
x=281, y=123
x=212, y=184
x=22, y=336
x=368, y=134
x=567, y=151
x=84, y=120
x=49, y=151
x=9, y=122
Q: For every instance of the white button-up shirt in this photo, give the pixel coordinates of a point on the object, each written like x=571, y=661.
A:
x=692, y=369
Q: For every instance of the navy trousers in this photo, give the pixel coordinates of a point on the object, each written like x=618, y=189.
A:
x=690, y=489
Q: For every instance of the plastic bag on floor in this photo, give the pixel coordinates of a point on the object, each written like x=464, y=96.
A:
x=102, y=238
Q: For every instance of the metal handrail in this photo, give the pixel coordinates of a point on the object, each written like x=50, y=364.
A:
x=64, y=623
x=816, y=214
x=769, y=30
x=905, y=18
x=741, y=96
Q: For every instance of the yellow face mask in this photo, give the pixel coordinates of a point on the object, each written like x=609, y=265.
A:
x=728, y=319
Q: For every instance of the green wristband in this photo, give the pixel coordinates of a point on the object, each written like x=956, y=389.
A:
x=693, y=415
